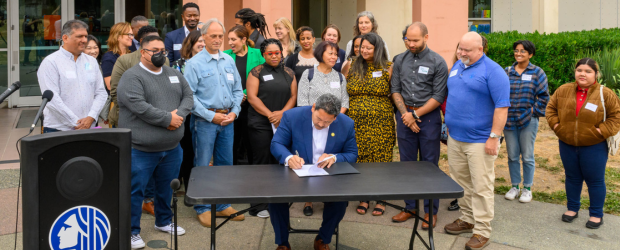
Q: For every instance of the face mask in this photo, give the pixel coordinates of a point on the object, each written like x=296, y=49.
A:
x=158, y=59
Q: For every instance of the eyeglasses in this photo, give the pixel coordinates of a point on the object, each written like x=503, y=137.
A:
x=274, y=53
x=522, y=51
x=165, y=52
x=129, y=35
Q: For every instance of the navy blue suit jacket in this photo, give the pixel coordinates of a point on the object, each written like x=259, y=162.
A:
x=295, y=134
x=174, y=37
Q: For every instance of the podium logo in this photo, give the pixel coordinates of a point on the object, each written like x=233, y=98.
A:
x=81, y=227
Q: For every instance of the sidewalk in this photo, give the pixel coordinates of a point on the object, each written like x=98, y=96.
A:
x=516, y=225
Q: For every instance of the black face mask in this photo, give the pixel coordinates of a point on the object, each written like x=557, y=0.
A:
x=158, y=59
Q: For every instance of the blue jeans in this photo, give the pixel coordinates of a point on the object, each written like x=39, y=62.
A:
x=585, y=164
x=212, y=140
x=49, y=130
x=149, y=192
x=163, y=167
x=520, y=142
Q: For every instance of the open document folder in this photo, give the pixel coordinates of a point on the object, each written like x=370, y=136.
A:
x=337, y=168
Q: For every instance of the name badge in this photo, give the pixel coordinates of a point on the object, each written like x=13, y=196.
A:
x=334, y=85
x=174, y=79
x=87, y=66
x=70, y=74
x=377, y=74
x=453, y=73
x=591, y=107
x=177, y=46
x=338, y=61
x=423, y=70
x=526, y=77
x=230, y=76
x=267, y=78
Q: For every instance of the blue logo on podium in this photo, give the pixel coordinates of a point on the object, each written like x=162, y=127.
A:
x=81, y=227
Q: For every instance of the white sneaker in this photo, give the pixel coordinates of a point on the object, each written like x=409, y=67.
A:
x=526, y=196
x=137, y=242
x=170, y=229
x=512, y=193
x=263, y=214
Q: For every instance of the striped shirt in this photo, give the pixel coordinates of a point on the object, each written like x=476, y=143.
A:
x=78, y=89
x=528, y=89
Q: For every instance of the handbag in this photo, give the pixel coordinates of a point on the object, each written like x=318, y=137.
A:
x=614, y=140
x=103, y=115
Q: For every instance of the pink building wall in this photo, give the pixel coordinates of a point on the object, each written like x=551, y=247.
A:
x=446, y=21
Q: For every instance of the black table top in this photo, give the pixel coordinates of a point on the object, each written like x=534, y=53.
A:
x=279, y=184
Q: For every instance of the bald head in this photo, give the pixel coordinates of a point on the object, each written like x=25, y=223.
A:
x=416, y=37
x=470, y=48
x=418, y=27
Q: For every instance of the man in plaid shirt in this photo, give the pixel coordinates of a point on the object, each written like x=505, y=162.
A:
x=528, y=100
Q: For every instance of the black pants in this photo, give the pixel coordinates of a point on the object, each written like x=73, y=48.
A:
x=260, y=141
x=242, y=153
x=188, y=153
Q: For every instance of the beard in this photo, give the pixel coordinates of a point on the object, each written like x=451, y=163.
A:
x=418, y=49
x=465, y=60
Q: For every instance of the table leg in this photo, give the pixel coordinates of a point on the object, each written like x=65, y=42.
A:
x=213, y=226
x=430, y=224
x=415, y=225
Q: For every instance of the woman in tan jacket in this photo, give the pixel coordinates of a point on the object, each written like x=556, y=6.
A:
x=575, y=113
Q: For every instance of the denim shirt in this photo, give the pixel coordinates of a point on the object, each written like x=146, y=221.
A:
x=216, y=84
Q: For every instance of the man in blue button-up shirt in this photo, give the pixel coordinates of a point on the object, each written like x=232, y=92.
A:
x=213, y=77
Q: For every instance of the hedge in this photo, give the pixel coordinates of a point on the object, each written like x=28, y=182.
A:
x=555, y=53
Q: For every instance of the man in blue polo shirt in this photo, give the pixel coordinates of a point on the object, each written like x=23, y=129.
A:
x=476, y=112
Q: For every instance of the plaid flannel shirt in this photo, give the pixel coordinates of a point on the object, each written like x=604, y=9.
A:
x=527, y=90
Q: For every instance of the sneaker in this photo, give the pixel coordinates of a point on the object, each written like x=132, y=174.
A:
x=137, y=242
x=526, y=196
x=170, y=229
x=263, y=214
x=512, y=193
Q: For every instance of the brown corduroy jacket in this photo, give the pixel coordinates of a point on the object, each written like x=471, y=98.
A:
x=581, y=130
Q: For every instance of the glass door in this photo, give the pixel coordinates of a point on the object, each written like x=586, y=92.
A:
x=35, y=34
x=4, y=72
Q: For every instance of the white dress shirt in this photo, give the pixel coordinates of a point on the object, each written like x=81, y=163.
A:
x=187, y=31
x=319, y=140
x=78, y=89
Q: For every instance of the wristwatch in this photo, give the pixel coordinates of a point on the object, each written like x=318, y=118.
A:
x=415, y=115
x=493, y=135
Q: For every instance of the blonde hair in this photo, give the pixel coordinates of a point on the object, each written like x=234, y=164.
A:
x=117, y=31
x=291, y=35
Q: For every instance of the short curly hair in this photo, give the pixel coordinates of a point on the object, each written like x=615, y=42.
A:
x=268, y=42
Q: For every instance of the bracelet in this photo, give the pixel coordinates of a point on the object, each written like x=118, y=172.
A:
x=415, y=115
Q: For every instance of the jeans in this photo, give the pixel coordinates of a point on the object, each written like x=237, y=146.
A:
x=209, y=140
x=585, y=164
x=149, y=192
x=427, y=143
x=49, y=130
x=520, y=142
x=163, y=167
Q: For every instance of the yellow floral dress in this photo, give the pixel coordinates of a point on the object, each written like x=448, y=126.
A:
x=373, y=114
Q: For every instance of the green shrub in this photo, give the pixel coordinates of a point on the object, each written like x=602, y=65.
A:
x=555, y=53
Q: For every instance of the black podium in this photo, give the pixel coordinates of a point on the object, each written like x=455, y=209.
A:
x=77, y=190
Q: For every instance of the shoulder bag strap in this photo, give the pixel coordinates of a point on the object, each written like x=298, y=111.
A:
x=603, y=103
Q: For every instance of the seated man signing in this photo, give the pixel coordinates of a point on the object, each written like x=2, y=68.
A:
x=297, y=142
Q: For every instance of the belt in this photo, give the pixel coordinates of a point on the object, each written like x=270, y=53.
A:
x=221, y=111
x=412, y=107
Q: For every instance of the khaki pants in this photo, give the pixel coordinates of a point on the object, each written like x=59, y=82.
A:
x=473, y=169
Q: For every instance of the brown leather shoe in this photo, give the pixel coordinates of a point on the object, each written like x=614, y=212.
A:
x=228, y=211
x=425, y=225
x=402, y=217
x=149, y=208
x=319, y=245
x=283, y=248
x=458, y=227
x=205, y=219
x=477, y=242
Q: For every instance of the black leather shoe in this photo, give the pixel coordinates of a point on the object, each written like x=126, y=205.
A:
x=308, y=211
x=593, y=225
x=569, y=219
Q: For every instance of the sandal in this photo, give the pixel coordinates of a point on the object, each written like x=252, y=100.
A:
x=360, y=207
x=380, y=210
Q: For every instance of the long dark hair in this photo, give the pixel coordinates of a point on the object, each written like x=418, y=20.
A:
x=188, y=44
x=380, y=60
x=591, y=63
x=93, y=38
x=257, y=20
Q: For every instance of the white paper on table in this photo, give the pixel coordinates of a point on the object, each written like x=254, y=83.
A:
x=273, y=127
x=310, y=170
